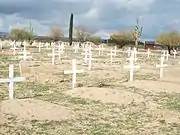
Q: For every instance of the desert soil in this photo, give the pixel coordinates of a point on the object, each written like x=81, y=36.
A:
x=103, y=102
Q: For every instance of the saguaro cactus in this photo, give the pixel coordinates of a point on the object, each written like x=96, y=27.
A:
x=137, y=32
x=30, y=27
x=71, y=29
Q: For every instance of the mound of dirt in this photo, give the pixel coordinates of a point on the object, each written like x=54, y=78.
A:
x=106, y=95
x=30, y=109
x=155, y=86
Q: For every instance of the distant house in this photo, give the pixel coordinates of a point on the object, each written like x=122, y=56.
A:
x=154, y=46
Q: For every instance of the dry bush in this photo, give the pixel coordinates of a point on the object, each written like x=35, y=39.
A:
x=122, y=38
x=56, y=32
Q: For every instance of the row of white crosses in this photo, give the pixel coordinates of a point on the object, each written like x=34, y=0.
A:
x=88, y=57
x=101, y=49
x=165, y=54
x=132, y=59
x=40, y=45
x=14, y=48
x=55, y=53
x=131, y=65
x=76, y=47
x=161, y=66
x=25, y=54
x=111, y=54
x=11, y=81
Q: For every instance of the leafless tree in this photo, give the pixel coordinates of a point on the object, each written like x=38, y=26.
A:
x=56, y=32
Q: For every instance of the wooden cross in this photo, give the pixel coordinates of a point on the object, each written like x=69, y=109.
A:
x=148, y=53
x=14, y=48
x=131, y=66
x=161, y=66
x=11, y=81
x=25, y=53
x=129, y=51
x=61, y=48
x=73, y=72
x=100, y=49
x=175, y=53
x=53, y=55
x=39, y=46
x=166, y=54
x=134, y=52
x=76, y=48
x=87, y=52
x=111, y=54
x=89, y=59
x=115, y=50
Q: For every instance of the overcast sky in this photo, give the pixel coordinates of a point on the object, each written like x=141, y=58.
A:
x=103, y=16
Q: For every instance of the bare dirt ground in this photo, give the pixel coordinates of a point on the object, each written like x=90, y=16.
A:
x=103, y=102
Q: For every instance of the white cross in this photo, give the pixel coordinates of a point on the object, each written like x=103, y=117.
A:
x=115, y=50
x=61, y=48
x=134, y=52
x=89, y=59
x=100, y=49
x=73, y=72
x=39, y=46
x=76, y=47
x=87, y=52
x=53, y=55
x=161, y=66
x=11, y=81
x=166, y=54
x=148, y=53
x=14, y=48
x=175, y=53
x=25, y=53
x=131, y=66
x=132, y=58
x=129, y=51
x=111, y=54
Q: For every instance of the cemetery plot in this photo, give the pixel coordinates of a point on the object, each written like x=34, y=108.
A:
x=106, y=95
x=30, y=109
x=103, y=100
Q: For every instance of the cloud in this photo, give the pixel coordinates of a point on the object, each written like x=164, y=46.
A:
x=104, y=16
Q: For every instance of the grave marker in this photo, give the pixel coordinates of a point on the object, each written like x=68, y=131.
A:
x=73, y=72
x=14, y=48
x=25, y=53
x=166, y=54
x=115, y=50
x=148, y=53
x=76, y=48
x=161, y=66
x=111, y=54
x=174, y=53
x=100, y=49
x=53, y=56
x=131, y=66
x=11, y=81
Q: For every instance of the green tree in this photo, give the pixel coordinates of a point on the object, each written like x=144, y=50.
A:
x=170, y=39
x=21, y=34
x=56, y=32
x=71, y=29
x=122, y=38
x=95, y=39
